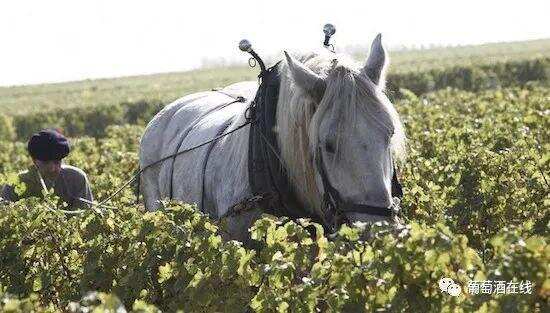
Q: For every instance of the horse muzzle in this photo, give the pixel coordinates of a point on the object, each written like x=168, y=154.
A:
x=368, y=213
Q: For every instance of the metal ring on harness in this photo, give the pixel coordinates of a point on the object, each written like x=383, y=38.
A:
x=246, y=46
x=250, y=112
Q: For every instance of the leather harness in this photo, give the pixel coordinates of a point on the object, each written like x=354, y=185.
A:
x=266, y=173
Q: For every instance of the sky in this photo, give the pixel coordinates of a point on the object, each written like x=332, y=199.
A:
x=65, y=40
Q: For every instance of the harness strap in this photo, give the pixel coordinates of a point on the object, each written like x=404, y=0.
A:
x=205, y=163
x=333, y=198
x=188, y=130
x=238, y=98
x=266, y=171
x=138, y=174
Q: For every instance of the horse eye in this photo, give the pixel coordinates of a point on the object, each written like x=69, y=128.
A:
x=329, y=147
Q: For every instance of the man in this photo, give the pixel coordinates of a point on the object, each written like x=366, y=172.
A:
x=47, y=148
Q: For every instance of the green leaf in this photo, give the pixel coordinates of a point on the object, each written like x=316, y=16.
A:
x=37, y=284
x=165, y=272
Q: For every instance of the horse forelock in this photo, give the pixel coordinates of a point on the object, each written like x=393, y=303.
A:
x=348, y=95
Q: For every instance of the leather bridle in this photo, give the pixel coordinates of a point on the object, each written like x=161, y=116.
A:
x=334, y=204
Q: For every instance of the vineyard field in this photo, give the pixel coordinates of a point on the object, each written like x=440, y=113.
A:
x=21, y=100
x=476, y=207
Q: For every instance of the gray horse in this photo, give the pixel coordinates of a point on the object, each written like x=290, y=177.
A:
x=327, y=104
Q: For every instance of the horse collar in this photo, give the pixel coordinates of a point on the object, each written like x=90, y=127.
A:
x=266, y=173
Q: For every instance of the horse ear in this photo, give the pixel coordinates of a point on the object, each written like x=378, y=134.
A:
x=313, y=84
x=375, y=69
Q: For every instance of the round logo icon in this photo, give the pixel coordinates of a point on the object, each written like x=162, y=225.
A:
x=448, y=285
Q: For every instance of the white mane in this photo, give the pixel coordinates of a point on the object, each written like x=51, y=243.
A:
x=299, y=117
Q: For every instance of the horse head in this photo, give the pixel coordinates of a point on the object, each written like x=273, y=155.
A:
x=342, y=133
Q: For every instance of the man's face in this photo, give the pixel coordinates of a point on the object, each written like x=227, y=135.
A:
x=48, y=169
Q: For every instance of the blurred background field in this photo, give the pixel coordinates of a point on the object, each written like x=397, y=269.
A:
x=21, y=100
